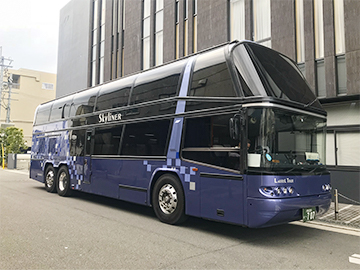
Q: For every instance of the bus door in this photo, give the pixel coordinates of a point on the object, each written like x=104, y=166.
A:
x=89, y=135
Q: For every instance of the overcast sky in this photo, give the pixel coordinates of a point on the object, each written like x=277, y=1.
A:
x=29, y=31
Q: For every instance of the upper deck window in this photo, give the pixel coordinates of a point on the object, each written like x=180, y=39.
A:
x=83, y=102
x=111, y=96
x=211, y=76
x=158, y=83
x=264, y=72
x=43, y=114
x=60, y=109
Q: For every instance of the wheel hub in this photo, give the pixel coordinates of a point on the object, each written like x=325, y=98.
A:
x=168, y=199
x=50, y=178
x=62, y=181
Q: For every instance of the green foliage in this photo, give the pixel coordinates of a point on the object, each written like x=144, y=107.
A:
x=13, y=140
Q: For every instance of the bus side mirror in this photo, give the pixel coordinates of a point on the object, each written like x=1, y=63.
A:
x=234, y=128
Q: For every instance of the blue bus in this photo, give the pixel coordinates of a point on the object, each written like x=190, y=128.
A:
x=233, y=134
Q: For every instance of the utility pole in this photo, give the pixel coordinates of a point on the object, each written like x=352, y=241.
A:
x=10, y=80
x=3, y=68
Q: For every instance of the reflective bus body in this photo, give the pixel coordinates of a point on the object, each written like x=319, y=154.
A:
x=232, y=134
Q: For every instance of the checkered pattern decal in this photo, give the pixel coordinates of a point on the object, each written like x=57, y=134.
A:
x=171, y=164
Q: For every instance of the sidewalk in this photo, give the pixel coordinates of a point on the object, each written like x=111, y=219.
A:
x=349, y=215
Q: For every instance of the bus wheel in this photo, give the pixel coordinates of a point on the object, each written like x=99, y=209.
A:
x=168, y=200
x=63, y=182
x=50, y=179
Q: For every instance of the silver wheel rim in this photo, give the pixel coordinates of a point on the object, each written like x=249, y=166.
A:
x=62, y=181
x=168, y=199
x=50, y=179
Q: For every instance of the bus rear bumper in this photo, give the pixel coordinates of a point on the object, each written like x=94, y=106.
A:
x=269, y=212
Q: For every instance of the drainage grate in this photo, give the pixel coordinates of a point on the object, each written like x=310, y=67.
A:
x=349, y=215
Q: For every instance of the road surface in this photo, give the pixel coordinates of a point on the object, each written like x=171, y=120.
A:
x=45, y=231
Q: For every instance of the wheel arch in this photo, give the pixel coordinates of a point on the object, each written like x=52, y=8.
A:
x=156, y=175
x=48, y=164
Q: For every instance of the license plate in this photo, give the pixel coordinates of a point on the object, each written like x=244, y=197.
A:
x=308, y=214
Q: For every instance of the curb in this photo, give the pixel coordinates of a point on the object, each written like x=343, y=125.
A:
x=329, y=227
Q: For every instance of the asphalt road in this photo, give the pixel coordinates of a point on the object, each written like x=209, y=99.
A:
x=39, y=230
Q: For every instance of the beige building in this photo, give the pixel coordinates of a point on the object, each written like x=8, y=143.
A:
x=29, y=89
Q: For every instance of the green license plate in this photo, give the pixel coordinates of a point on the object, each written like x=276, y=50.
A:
x=308, y=214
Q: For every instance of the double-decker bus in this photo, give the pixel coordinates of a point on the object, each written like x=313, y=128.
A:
x=233, y=133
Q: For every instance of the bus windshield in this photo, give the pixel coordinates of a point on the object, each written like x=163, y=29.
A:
x=264, y=72
x=281, y=140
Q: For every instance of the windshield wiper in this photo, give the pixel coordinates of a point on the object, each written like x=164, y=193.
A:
x=311, y=103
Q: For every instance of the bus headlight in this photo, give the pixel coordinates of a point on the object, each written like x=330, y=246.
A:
x=326, y=187
x=277, y=191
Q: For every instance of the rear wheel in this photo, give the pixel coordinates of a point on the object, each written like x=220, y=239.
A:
x=63, y=182
x=50, y=179
x=168, y=200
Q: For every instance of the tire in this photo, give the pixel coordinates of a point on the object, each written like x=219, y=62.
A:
x=168, y=200
x=50, y=179
x=63, y=182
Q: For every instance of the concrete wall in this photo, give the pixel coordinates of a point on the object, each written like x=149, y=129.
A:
x=73, y=53
x=133, y=36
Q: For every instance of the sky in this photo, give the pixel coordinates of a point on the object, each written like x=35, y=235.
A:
x=29, y=33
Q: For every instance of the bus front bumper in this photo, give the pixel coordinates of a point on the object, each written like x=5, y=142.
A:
x=269, y=212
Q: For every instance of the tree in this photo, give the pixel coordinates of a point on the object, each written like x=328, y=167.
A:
x=12, y=139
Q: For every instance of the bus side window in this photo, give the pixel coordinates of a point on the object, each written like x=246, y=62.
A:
x=52, y=146
x=107, y=141
x=77, y=143
x=146, y=139
x=207, y=140
x=42, y=146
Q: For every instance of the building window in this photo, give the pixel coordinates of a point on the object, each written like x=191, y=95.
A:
x=320, y=80
x=159, y=33
x=301, y=66
x=177, y=30
x=48, y=86
x=114, y=41
x=237, y=19
x=16, y=81
x=300, y=37
x=341, y=151
x=340, y=46
x=123, y=11
x=195, y=26
x=339, y=26
x=102, y=43
x=146, y=34
x=319, y=29
x=341, y=75
x=186, y=27
x=95, y=22
x=262, y=22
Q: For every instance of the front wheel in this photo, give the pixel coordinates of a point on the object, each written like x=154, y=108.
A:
x=63, y=182
x=168, y=200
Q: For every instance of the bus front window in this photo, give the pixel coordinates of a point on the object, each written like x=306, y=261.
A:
x=285, y=141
